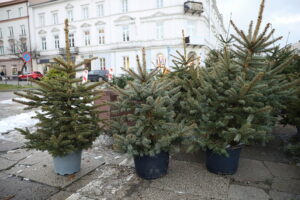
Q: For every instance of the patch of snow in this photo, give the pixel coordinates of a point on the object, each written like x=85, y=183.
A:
x=124, y=161
x=10, y=101
x=97, y=157
x=117, y=157
x=18, y=172
x=26, y=179
x=22, y=120
x=129, y=177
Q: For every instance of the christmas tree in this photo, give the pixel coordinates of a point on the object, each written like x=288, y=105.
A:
x=235, y=101
x=145, y=124
x=184, y=67
x=68, y=120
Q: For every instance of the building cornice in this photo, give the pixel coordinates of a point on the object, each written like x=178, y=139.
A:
x=10, y=3
x=13, y=19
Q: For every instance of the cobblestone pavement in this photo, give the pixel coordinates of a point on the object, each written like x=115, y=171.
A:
x=264, y=173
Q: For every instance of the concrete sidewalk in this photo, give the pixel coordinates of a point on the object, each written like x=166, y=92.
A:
x=264, y=173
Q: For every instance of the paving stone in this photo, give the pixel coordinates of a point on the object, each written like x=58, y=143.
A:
x=17, y=155
x=24, y=190
x=113, y=183
x=8, y=145
x=43, y=172
x=252, y=171
x=4, y=163
x=271, y=152
x=37, y=157
x=62, y=195
x=77, y=196
x=283, y=170
x=283, y=196
x=286, y=185
x=155, y=194
x=238, y=192
x=198, y=157
x=78, y=184
x=192, y=178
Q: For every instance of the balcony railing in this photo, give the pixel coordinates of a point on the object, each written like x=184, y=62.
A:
x=193, y=7
x=73, y=50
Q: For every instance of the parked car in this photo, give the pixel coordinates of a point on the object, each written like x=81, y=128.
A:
x=33, y=75
x=98, y=75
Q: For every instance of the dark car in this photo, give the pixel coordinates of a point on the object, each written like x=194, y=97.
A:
x=33, y=75
x=98, y=75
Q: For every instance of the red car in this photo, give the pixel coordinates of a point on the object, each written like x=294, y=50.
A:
x=33, y=75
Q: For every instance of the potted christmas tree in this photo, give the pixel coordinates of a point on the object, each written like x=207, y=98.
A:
x=145, y=125
x=233, y=101
x=68, y=120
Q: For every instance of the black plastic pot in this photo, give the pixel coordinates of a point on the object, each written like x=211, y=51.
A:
x=220, y=164
x=152, y=167
x=298, y=132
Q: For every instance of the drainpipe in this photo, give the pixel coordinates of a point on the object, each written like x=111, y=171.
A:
x=209, y=20
x=29, y=35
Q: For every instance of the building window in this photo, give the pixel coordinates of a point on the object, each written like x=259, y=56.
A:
x=159, y=31
x=125, y=33
x=8, y=14
x=20, y=12
x=23, y=46
x=13, y=47
x=160, y=3
x=160, y=61
x=87, y=39
x=42, y=20
x=71, y=40
x=1, y=50
x=85, y=12
x=102, y=64
x=11, y=31
x=126, y=64
x=124, y=6
x=100, y=10
x=192, y=56
x=14, y=70
x=55, y=18
x=70, y=15
x=44, y=43
x=56, y=41
x=101, y=36
x=23, y=32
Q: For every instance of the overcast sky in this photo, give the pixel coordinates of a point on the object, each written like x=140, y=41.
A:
x=284, y=15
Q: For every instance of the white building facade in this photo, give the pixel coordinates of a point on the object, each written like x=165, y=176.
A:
x=14, y=32
x=114, y=31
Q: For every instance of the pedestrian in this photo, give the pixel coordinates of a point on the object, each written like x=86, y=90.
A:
x=2, y=75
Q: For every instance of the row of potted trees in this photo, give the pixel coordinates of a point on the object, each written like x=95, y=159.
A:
x=232, y=102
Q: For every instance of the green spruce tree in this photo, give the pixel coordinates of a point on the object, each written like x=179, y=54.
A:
x=235, y=101
x=145, y=123
x=68, y=120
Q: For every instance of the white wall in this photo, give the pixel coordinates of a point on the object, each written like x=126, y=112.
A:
x=142, y=17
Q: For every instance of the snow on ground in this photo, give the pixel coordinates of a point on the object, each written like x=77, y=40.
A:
x=22, y=120
x=10, y=101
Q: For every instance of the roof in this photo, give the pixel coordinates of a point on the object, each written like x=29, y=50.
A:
x=37, y=2
x=4, y=3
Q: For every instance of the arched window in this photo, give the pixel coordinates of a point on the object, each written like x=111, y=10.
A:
x=160, y=60
x=192, y=56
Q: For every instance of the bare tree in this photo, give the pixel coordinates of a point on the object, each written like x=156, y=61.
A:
x=18, y=48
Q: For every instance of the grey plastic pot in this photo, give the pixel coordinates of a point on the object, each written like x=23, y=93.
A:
x=68, y=164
